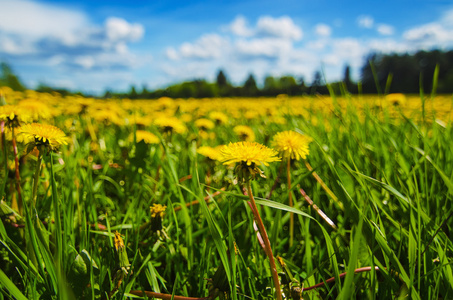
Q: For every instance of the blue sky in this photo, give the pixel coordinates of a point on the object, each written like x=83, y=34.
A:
x=98, y=45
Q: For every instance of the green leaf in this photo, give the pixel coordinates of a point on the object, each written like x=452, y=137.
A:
x=10, y=287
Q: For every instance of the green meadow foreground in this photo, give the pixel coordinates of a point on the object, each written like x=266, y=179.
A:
x=264, y=198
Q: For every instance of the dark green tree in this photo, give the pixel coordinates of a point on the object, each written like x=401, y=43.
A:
x=133, y=93
x=289, y=86
x=221, y=79
x=271, y=86
x=223, y=86
x=350, y=87
x=250, y=89
x=8, y=78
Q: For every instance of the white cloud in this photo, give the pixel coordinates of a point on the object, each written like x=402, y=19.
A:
x=37, y=20
x=206, y=47
x=120, y=30
x=86, y=61
x=266, y=26
x=47, y=31
x=318, y=44
x=323, y=30
x=282, y=27
x=385, y=29
x=447, y=18
x=171, y=53
x=365, y=21
x=263, y=47
x=427, y=32
x=239, y=27
x=387, y=46
x=346, y=49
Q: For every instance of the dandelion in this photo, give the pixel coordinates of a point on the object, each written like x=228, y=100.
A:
x=157, y=210
x=396, y=99
x=247, y=155
x=210, y=152
x=170, y=124
x=218, y=117
x=123, y=262
x=145, y=136
x=245, y=133
x=13, y=115
x=43, y=135
x=45, y=138
x=36, y=109
x=204, y=124
x=157, y=214
x=291, y=144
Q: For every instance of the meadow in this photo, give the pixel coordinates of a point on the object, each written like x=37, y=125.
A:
x=135, y=198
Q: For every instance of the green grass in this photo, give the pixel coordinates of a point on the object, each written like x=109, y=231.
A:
x=394, y=178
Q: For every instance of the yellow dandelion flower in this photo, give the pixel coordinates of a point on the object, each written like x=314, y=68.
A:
x=147, y=137
x=186, y=118
x=119, y=243
x=292, y=144
x=396, y=99
x=13, y=115
x=248, y=155
x=210, y=152
x=142, y=121
x=204, y=124
x=218, y=117
x=43, y=135
x=169, y=124
x=157, y=210
x=36, y=109
x=247, y=152
x=245, y=133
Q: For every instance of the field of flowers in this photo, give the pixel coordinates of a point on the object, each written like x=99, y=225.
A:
x=263, y=198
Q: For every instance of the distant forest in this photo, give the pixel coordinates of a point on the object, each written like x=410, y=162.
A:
x=381, y=73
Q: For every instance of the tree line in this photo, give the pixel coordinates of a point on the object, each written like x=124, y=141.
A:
x=380, y=73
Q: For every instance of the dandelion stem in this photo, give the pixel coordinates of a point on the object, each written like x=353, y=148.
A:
x=36, y=177
x=267, y=243
x=5, y=159
x=290, y=195
x=16, y=161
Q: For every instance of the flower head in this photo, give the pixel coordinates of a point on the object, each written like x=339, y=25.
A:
x=396, y=99
x=49, y=136
x=291, y=144
x=204, y=124
x=248, y=155
x=210, y=152
x=36, y=109
x=146, y=136
x=157, y=210
x=245, y=133
x=170, y=124
x=157, y=213
x=13, y=115
x=219, y=117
